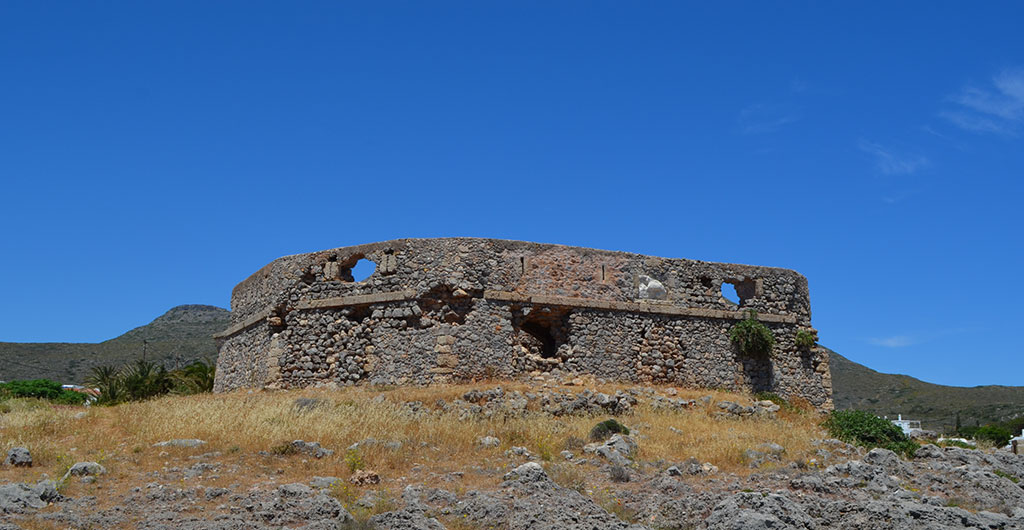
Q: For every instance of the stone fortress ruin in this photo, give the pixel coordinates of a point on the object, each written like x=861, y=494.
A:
x=462, y=309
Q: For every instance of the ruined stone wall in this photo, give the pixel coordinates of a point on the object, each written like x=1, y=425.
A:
x=440, y=310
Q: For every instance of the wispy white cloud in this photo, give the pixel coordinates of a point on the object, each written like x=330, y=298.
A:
x=976, y=123
x=915, y=337
x=998, y=108
x=890, y=162
x=757, y=119
x=898, y=196
x=931, y=130
x=896, y=341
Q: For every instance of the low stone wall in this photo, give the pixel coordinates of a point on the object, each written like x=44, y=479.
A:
x=440, y=310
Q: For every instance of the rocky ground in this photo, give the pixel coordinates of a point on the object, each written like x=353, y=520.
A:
x=938, y=488
x=596, y=486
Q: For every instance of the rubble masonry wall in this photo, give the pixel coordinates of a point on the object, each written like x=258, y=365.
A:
x=457, y=309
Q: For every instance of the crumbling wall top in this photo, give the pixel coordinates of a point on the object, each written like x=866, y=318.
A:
x=517, y=268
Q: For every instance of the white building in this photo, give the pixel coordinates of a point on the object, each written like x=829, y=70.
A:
x=906, y=425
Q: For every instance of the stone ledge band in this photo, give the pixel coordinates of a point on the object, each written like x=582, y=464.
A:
x=509, y=296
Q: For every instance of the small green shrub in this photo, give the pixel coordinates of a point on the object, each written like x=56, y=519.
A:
x=354, y=460
x=545, y=450
x=37, y=388
x=867, y=430
x=752, y=337
x=284, y=449
x=70, y=397
x=995, y=435
x=604, y=430
x=805, y=340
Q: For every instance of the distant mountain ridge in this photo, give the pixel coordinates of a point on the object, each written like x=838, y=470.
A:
x=855, y=386
x=180, y=336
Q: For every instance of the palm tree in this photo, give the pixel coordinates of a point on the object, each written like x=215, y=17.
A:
x=195, y=378
x=108, y=380
x=144, y=380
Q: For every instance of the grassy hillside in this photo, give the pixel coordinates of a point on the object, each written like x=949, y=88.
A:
x=855, y=386
x=178, y=337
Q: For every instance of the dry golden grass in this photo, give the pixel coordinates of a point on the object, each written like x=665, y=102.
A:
x=242, y=424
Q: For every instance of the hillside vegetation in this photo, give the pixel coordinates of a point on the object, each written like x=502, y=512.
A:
x=855, y=386
x=175, y=339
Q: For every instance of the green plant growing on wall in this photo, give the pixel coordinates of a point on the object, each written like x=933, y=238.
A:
x=805, y=340
x=752, y=337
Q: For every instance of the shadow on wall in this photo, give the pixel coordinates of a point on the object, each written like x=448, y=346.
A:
x=757, y=372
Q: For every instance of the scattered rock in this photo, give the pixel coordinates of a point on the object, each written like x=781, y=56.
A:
x=324, y=482
x=19, y=457
x=405, y=520
x=730, y=410
x=364, y=477
x=294, y=490
x=692, y=467
x=489, y=441
x=518, y=451
x=619, y=449
x=756, y=511
x=20, y=497
x=311, y=448
x=84, y=469
x=182, y=442
x=528, y=472
x=371, y=442
x=213, y=493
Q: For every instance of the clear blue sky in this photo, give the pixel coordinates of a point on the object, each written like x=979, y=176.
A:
x=157, y=153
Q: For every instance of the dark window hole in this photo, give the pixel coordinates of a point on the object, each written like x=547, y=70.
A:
x=545, y=328
x=548, y=345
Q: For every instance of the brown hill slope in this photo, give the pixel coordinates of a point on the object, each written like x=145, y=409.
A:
x=855, y=386
x=178, y=337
